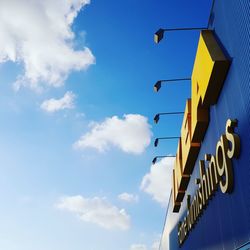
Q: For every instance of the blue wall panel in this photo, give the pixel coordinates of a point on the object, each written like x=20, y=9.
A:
x=225, y=224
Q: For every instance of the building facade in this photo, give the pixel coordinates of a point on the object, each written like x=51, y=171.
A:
x=209, y=206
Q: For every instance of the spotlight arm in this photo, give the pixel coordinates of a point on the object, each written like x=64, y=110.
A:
x=162, y=156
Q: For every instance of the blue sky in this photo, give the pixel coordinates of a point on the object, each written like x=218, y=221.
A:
x=77, y=107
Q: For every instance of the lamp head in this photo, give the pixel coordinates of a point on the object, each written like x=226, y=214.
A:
x=157, y=86
x=158, y=35
x=157, y=118
x=156, y=142
x=154, y=160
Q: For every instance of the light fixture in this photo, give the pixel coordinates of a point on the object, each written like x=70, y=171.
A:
x=161, y=156
x=164, y=138
x=157, y=85
x=158, y=36
x=157, y=116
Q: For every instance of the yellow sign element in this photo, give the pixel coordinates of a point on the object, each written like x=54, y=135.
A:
x=180, y=180
x=219, y=172
x=209, y=72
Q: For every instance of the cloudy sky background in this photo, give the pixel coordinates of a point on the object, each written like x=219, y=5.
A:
x=77, y=107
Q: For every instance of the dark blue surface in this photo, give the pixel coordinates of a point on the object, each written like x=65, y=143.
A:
x=225, y=224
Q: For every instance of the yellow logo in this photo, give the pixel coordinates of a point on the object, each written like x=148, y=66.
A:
x=209, y=72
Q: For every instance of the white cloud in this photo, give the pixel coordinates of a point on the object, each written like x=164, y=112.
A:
x=138, y=247
x=53, y=105
x=158, y=181
x=128, y=197
x=95, y=210
x=38, y=35
x=155, y=245
x=131, y=134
